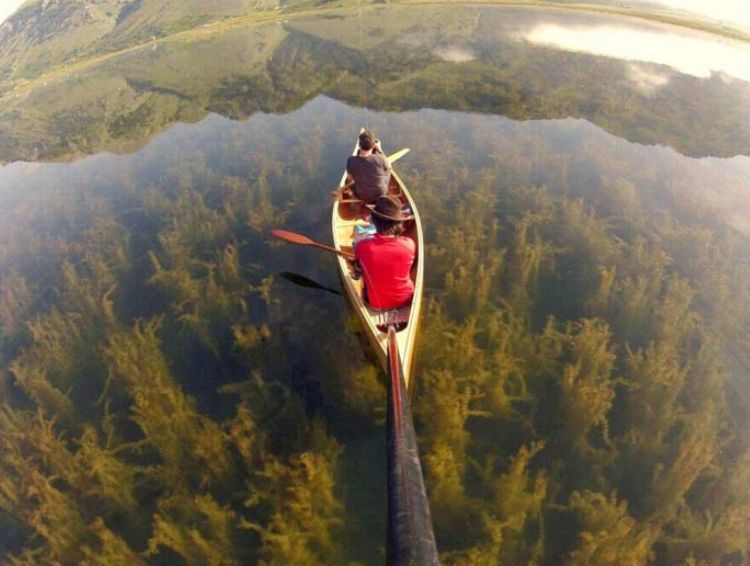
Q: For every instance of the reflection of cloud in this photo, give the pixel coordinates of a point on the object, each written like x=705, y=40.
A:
x=646, y=80
x=8, y=8
x=733, y=193
x=455, y=54
x=689, y=54
x=731, y=11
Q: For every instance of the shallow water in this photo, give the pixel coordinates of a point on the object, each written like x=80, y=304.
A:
x=540, y=164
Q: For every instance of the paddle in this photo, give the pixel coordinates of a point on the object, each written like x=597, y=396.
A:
x=303, y=281
x=398, y=155
x=294, y=238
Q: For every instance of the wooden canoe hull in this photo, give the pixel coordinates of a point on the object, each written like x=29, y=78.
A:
x=345, y=217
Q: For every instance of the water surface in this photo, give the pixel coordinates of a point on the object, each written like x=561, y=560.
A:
x=583, y=385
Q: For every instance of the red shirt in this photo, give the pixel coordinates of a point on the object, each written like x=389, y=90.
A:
x=386, y=262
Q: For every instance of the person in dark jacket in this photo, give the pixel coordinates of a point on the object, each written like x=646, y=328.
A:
x=369, y=169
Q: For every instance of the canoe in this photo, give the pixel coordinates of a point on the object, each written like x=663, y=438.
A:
x=348, y=213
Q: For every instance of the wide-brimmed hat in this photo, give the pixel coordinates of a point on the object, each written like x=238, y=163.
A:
x=389, y=208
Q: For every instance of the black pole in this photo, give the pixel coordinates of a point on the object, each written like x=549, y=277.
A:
x=410, y=538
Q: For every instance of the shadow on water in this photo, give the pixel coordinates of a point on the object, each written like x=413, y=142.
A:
x=303, y=281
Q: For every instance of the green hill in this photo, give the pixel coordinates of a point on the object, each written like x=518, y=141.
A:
x=443, y=58
x=45, y=33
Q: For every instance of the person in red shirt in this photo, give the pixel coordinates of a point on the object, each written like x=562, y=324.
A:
x=386, y=258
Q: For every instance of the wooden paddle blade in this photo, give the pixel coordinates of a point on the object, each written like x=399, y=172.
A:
x=292, y=237
x=398, y=155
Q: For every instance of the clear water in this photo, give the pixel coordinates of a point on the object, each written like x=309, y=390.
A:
x=549, y=151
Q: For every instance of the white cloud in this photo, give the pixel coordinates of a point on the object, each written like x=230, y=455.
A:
x=7, y=7
x=454, y=54
x=691, y=54
x=729, y=11
x=646, y=80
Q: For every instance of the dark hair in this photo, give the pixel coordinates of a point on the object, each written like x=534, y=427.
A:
x=366, y=140
x=387, y=227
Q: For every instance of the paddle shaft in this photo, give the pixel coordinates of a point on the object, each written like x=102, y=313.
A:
x=347, y=255
x=301, y=240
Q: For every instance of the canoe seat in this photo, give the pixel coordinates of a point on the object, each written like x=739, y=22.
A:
x=397, y=317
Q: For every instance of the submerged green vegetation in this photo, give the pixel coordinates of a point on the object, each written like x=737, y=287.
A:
x=169, y=399
x=124, y=324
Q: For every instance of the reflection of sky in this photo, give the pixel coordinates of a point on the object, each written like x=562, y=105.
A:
x=690, y=54
x=455, y=54
x=722, y=182
x=729, y=11
x=7, y=7
x=734, y=198
x=645, y=79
